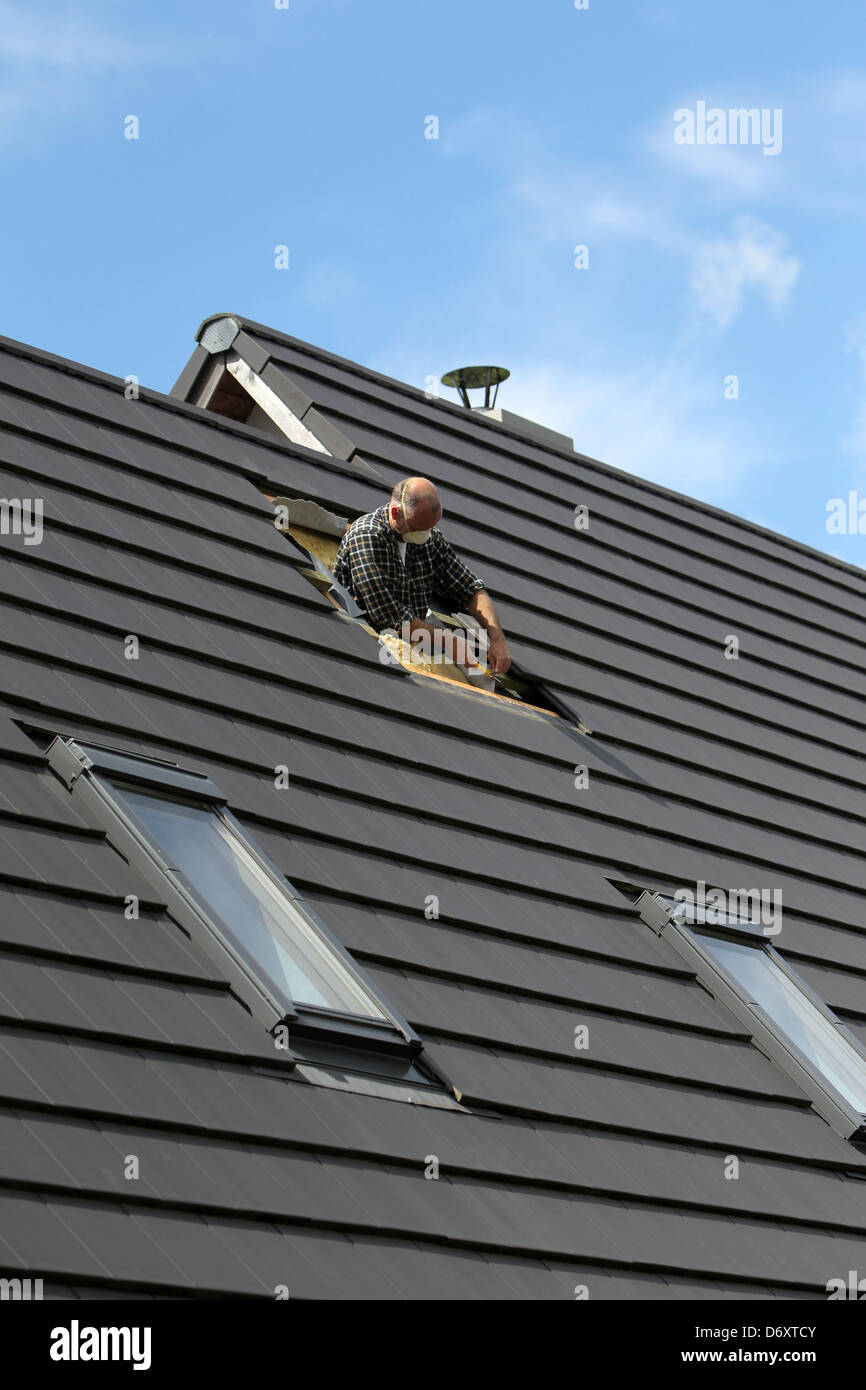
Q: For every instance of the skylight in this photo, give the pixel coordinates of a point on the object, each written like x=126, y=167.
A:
x=769, y=984
x=175, y=827
x=733, y=958
x=207, y=846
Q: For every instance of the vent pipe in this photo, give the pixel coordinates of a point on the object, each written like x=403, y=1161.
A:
x=466, y=379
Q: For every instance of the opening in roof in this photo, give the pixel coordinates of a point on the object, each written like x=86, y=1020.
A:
x=318, y=534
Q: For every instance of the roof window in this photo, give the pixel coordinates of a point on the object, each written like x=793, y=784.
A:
x=730, y=953
x=174, y=825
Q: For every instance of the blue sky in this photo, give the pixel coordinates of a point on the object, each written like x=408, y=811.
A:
x=305, y=127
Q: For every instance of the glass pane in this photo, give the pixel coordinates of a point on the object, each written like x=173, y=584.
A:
x=228, y=880
x=794, y=1014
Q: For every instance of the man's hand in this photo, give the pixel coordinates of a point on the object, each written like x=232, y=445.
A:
x=455, y=646
x=432, y=641
x=498, y=655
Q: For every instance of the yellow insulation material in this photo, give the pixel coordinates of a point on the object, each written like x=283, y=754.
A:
x=317, y=543
x=408, y=656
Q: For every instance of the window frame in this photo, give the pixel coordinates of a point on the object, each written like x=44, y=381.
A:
x=667, y=922
x=96, y=774
x=264, y=869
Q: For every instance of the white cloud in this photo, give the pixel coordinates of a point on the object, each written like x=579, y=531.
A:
x=660, y=423
x=754, y=258
x=50, y=63
x=820, y=169
x=496, y=134
x=724, y=169
x=667, y=422
x=52, y=41
x=565, y=203
x=665, y=418
x=623, y=216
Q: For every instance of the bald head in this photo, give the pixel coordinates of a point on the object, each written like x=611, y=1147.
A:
x=414, y=506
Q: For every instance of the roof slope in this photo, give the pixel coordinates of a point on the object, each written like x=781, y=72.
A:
x=603, y=1168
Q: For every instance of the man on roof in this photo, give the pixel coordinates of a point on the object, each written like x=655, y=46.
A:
x=394, y=560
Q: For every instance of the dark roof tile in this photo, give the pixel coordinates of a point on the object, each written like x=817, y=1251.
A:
x=574, y=1168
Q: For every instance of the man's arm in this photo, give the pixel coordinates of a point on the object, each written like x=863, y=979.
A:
x=498, y=655
x=467, y=594
x=367, y=557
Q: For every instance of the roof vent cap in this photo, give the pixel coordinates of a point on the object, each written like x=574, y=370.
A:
x=466, y=379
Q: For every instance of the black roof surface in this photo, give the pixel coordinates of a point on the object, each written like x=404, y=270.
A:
x=117, y=1037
